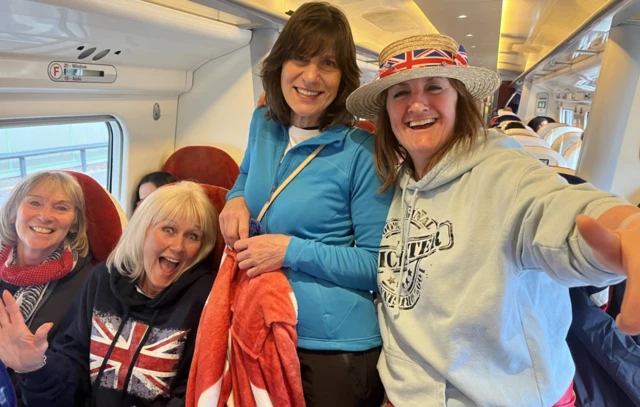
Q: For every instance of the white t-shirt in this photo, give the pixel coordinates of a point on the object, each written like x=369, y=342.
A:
x=298, y=135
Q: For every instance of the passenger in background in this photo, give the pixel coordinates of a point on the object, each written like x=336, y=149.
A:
x=474, y=306
x=134, y=324
x=150, y=183
x=539, y=122
x=313, y=226
x=44, y=249
x=503, y=120
x=514, y=125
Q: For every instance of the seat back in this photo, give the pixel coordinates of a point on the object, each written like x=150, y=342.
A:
x=563, y=170
x=546, y=155
x=104, y=223
x=554, y=134
x=548, y=127
x=521, y=132
x=203, y=164
x=565, y=141
x=217, y=196
x=531, y=141
x=366, y=125
x=572, y=155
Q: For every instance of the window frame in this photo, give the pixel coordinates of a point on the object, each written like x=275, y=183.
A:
x=114, y=132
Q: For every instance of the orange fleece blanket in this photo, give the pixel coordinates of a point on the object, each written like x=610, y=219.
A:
x=245, y=352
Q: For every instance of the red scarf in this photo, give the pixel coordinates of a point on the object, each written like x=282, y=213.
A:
x=24, y=276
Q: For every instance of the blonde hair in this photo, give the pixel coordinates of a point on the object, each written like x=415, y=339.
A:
x=182, y=201
x=76, y=237
x=389, y=153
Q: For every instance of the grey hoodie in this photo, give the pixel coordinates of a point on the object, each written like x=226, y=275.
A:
x=485, y=246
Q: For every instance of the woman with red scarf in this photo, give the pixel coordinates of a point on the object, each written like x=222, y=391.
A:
x=44, y=249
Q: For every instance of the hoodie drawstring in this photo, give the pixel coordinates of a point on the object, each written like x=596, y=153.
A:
x=404, y=240
x=96, y=383
x=127, y=378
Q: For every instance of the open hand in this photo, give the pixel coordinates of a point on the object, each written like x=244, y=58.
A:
x=19, y=348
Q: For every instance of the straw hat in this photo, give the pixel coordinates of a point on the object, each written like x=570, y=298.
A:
x=416, y=57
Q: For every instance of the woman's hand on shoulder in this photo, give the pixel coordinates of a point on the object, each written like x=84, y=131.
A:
x=618, y=249
x=261, y=254
x=234, y=221
x=20, y=350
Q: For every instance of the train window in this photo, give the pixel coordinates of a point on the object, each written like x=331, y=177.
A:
x=566, y=116
x=83, y=145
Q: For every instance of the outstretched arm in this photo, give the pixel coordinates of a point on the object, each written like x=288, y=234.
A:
x=615, y=240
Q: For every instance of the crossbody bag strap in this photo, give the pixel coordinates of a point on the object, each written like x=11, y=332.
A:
x=288, y=180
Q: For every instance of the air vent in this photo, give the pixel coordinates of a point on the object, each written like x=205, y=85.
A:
x=86, y=53
x=101, y=54
x=391, y=20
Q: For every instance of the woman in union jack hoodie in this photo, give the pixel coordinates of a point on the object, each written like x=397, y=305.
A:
x=129, y=337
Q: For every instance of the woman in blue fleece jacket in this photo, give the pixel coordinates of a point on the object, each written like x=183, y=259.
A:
x=324, y=228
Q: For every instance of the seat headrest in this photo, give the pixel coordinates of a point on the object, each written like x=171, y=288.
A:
x=104, y=225
x=547, y=155
x=566, y=140
x=366, y=125
x=531, y=141
x=572, y=155
x=203, y=164
x=522, y=132
x=548, y=127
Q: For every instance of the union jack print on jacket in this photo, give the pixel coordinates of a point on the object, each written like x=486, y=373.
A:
x=121, y=348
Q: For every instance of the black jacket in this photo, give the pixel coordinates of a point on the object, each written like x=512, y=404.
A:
x=121, y=348
x=607, y=361
x=54, y=305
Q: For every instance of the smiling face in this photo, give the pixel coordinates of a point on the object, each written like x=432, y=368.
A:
x=422, y=113
x=309, y=86
x=170, y=247
x=43, y=219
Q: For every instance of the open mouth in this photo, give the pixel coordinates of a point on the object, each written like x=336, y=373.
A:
x=421, y=124
x=42, y=231
x=168, y=264
x=307, y=92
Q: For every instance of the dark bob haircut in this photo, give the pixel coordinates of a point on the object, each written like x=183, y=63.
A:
x=158, y=178
x=314, y=29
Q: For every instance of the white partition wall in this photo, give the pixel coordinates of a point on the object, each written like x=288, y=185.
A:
x=217, y=111
x=611, y=147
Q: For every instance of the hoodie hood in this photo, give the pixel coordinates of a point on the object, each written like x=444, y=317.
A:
x=457, y=162
x=125, y=290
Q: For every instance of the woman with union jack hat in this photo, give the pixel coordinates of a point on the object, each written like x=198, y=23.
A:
x=481, y=242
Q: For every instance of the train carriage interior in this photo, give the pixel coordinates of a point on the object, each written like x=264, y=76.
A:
x=121, y=88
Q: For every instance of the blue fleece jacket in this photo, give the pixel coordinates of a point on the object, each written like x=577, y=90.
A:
x=331, y=207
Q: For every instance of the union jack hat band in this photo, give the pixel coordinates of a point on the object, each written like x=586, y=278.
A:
x=416, y=57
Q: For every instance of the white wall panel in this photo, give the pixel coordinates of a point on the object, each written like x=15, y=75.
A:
x=217, y=111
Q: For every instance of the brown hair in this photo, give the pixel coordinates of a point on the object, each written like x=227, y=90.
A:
x=313, y=29
x=389, y=152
